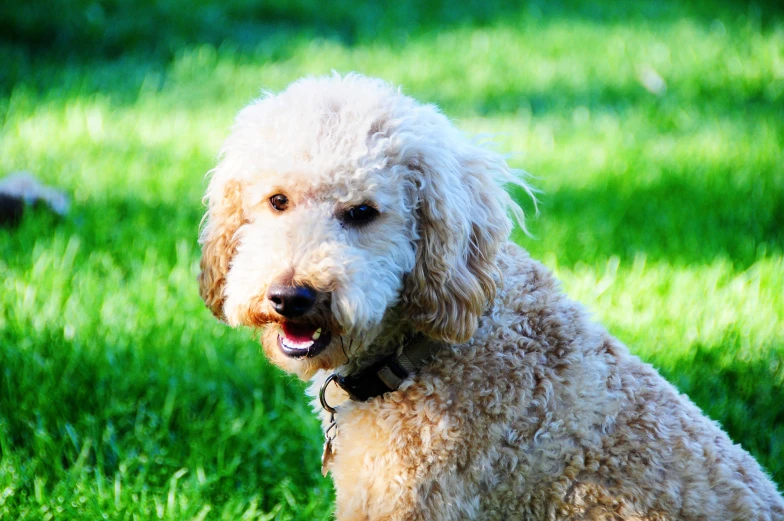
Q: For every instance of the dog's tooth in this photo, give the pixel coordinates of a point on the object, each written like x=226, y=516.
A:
x=293, y=344
x=316, y=334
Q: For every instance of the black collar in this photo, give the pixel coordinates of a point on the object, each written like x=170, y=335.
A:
x=387, y=374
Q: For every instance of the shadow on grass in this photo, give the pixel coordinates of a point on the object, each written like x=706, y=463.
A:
x=127, y=229
x=678, y=218
x=110, y=28
x=68, y=34
x=715, y=102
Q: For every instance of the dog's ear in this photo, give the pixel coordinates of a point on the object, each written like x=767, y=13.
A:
x=462, y=221
x=219, y=239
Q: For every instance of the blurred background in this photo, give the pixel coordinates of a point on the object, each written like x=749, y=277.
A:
x=654, y=130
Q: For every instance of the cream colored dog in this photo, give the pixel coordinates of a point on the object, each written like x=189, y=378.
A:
x=351, y=224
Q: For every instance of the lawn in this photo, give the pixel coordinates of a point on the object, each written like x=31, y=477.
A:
x=654, y=130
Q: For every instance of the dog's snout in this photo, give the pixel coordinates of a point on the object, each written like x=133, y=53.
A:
x=291, y=301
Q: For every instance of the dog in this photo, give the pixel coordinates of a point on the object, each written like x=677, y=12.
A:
x=367, y=239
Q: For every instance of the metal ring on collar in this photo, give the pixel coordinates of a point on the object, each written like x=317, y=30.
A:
x=322, y=398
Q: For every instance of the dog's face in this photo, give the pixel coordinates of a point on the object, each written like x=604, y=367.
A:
x=343, y=214
x=320, y=259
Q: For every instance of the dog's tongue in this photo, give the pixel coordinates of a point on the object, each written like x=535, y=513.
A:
x=298, y=332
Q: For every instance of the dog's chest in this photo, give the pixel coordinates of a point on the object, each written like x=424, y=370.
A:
x=385, y=446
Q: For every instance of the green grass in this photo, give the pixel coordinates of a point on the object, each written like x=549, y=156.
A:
x=121, y=398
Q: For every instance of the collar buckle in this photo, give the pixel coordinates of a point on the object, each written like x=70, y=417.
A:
x=390, y=372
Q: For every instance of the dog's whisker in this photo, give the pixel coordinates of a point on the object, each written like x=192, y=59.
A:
x=343, y=347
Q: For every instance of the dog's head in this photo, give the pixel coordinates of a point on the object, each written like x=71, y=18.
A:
x=343, y=213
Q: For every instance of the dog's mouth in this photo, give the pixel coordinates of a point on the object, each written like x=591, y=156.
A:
x=302, y=340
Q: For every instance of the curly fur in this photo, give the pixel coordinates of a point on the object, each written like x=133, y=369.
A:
x=532, y=411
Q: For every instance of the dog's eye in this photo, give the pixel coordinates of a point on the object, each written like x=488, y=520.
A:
x=279, y=202
x=358, y=215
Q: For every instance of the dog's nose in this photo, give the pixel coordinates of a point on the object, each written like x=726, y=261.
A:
x=291, y=301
